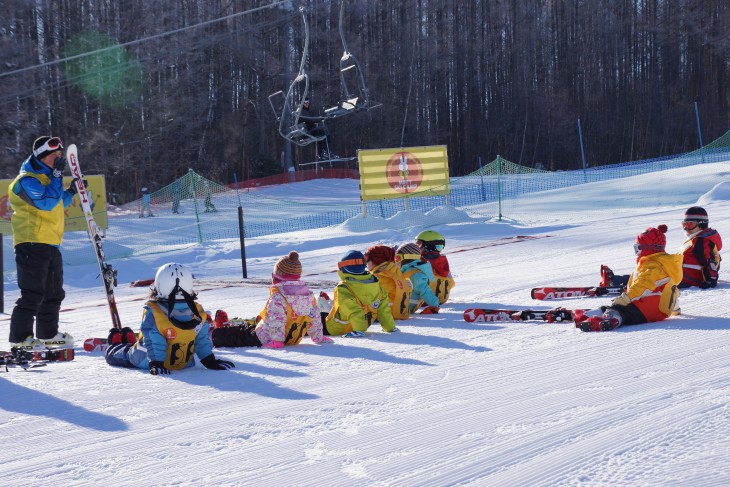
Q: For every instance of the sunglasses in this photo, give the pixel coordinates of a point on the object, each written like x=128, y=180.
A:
x=51, y=145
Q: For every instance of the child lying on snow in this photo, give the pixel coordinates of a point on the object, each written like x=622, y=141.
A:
x=174, y=329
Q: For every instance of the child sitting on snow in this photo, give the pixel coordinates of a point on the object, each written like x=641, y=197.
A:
x=358, y=299
x=701, y=250
x=289, y=313
x=380, y=261
x=431, y=244
x=419, y=272
x=652, y=291
x=174, y=329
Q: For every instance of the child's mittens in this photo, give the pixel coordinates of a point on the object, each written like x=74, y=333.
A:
x=273, y=344
x=324, y=339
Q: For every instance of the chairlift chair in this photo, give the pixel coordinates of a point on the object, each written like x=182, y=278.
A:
x=288, y=112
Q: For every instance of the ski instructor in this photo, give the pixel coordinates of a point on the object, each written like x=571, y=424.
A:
x=38, y=200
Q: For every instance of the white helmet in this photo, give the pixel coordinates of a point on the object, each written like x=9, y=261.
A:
x=173, y=277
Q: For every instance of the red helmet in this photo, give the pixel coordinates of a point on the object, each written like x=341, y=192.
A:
x=651, y=241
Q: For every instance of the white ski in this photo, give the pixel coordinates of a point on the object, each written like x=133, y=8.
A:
x=108, y=275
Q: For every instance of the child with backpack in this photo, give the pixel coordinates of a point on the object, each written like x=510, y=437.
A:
x=290, y=313
x=420, y=274
x=380, y=261
x=358, y=300
x=174, y=329
x=432, y=244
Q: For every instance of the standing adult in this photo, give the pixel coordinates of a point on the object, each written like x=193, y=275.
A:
x=38, y=200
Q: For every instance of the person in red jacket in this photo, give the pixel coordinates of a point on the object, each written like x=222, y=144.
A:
x=701, y=250
x=652, y=291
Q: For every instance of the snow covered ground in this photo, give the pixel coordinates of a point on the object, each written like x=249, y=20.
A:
x=443, y=402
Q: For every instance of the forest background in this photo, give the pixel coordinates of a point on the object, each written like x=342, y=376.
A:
x=178, y=84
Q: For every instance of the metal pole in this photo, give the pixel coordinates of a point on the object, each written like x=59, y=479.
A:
x=241, y=231
x=582, y=152
x=699, y=130
x=481, y=174
x=499, y=186
x=191, y=176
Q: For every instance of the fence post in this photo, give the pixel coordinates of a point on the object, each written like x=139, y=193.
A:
x=241, y=231
x=582, y=152
x=191, y=175
x=481, y=174
x=499, y=186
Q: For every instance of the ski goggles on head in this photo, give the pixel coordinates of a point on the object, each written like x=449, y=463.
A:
x=51, y=145
x=402, y=257
x=689, y=224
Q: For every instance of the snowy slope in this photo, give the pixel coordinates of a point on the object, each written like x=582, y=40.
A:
x=443, y=402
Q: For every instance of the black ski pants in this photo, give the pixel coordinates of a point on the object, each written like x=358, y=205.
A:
x=40, y=279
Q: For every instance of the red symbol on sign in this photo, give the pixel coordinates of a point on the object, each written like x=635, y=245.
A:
x=404, y=172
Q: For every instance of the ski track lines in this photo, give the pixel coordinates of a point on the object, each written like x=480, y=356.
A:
x=495, y=428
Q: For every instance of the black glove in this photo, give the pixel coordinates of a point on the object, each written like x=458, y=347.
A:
x=58, y=166
x=210, y=362
x=158, y=368
x=73, y=189
x=706, y=285
x=601, y=291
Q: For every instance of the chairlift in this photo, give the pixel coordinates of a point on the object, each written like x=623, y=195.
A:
x=288, y=108
x=350, y=77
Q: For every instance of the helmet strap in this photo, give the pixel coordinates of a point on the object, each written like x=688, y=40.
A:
x=186, y=297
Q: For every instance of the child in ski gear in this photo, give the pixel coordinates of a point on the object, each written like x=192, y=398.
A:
x=38, y=200
x=146, y=200
x=290, y=313
x=701, y=254
x=420, y=273
x=652, y=291
x=701, y=250
x=358, y=299
x=174, y=329
x=380, y=261
x=432, y=244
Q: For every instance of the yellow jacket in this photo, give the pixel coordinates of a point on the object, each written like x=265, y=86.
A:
x=38, y=202
x=653, y=285
x=358, y=302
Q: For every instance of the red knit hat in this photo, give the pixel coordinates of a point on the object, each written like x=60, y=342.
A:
x=651, y=241
x=288, y=268
x=377, y=254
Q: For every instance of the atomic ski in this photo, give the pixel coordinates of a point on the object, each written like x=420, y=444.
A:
x=478, y=315
x=548, y=293
x=108, y=275
x=95, y=345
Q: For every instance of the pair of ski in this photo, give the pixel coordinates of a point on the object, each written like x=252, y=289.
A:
x=545, y=293
x=483, y=315
x=31, y=359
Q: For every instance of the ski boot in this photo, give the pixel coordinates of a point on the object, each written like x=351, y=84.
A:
x=606, y=276
x=610, y=320
x=558, y=315
x=221, y=319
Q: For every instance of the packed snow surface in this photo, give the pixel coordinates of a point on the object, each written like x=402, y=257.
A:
x=442, y=402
